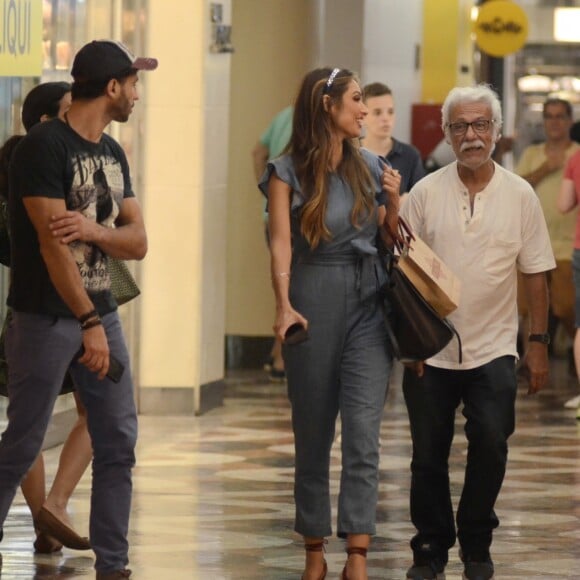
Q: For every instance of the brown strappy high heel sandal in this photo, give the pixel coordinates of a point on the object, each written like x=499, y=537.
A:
x=317, y=547
x=350, y=551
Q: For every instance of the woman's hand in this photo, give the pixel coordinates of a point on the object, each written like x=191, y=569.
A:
x=285, y=319
x=392, y=183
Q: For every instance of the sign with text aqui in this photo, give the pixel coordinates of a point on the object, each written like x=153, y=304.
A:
x=20, y=38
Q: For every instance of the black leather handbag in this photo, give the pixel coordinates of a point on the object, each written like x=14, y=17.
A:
x=416, y=331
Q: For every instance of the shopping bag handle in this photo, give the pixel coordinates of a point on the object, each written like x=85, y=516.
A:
x=402, y=237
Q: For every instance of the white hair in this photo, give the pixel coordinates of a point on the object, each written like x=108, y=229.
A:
x=480, y=94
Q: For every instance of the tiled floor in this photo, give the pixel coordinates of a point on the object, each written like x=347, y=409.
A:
x=213, y=496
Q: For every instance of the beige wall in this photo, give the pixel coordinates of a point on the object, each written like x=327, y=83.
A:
x=272, y=53
x=203, y=226
x=173, y=181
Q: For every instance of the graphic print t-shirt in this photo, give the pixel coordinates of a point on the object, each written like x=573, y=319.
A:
x=92, y=178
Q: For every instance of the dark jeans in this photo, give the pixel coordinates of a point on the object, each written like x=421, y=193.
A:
x=488, y=395
x=40, y=350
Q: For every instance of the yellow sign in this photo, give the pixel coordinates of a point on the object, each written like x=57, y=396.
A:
x=501, y=27
x=20, y=38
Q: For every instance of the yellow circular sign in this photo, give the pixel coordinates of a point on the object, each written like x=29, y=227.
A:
x=501, y=27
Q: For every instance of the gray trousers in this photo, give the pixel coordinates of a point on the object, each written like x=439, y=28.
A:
x=39, y=350
x=343, y=367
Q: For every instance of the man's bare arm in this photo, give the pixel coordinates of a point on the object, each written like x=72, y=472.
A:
x=536, y=290
x=66, y=278
x=127, y=241
x=552, y=164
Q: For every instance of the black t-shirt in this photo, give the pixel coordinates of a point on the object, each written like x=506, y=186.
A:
x=93, y=178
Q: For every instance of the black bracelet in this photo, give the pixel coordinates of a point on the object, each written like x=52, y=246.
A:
x=91, y=323
x=87, y=316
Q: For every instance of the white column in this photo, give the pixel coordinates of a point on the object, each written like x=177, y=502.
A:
x=391, y=38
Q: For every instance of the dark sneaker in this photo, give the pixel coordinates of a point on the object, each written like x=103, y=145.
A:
x=431, y=571
x=478, y=569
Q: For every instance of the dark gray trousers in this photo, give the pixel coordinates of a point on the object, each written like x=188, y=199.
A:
x=343, y=367
x=39, y=350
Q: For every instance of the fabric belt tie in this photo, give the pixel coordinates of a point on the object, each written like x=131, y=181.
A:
x=366, y=266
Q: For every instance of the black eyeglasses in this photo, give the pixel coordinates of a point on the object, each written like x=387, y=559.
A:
x=480, y=126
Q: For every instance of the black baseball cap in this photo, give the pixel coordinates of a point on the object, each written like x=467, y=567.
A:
x=101, y=60
x=44, y=99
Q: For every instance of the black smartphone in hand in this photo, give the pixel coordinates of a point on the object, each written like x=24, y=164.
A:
x=295, y=334
x=116, y=369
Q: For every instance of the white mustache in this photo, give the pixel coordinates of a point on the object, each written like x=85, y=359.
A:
x=476, y=143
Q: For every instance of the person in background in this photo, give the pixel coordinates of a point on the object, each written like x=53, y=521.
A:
x=269, y=146
x=44, y=102
x=542, y=166
x=485, y=223
x=327, y=199
x=568, y=200
x=64, y=224
x=379, y=125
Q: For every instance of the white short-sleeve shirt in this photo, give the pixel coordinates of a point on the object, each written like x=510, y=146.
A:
x=506, y=232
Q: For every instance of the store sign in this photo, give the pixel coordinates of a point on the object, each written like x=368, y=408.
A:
x=20, y=38
x=501, y=27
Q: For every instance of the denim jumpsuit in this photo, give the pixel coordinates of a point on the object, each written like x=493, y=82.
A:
x=344, y=366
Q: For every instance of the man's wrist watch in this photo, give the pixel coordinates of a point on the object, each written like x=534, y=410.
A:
x=543, y=338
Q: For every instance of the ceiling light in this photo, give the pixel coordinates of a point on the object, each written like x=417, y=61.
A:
x=567, y=24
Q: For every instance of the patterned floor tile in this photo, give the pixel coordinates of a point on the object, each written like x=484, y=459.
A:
x=213, y=495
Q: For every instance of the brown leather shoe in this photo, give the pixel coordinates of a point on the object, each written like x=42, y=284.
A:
x=48, y=523
x=118, y=575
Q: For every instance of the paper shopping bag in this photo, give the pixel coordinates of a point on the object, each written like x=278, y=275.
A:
x=430, y=276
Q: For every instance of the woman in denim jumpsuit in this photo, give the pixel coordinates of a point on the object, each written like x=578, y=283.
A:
x=326, y=199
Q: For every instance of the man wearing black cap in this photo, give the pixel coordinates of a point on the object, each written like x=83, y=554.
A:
x=71, y=207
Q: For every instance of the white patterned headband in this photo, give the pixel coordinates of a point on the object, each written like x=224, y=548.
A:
x=330, y=80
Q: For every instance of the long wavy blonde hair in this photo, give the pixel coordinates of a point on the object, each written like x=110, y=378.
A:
x=311, y=150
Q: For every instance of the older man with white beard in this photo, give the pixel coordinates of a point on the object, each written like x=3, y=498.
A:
x=485, y=223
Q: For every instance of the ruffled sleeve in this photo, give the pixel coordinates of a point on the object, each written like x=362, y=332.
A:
x=284, y=169
x=374, y=163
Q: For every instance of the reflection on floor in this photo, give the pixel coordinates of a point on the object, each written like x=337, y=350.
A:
x=213, y=496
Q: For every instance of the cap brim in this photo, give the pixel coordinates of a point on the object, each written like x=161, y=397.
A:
x=143, y=63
